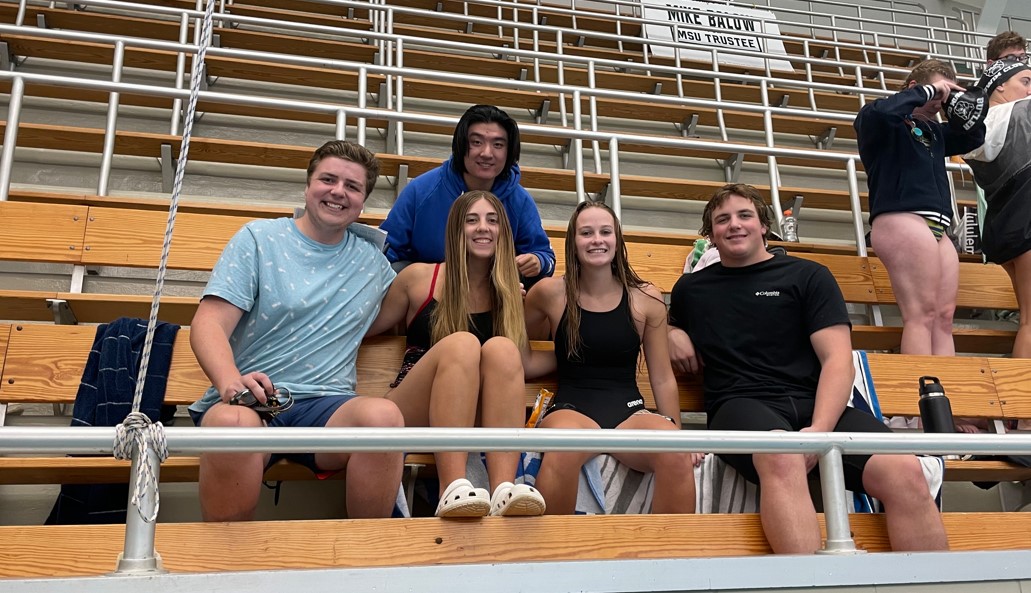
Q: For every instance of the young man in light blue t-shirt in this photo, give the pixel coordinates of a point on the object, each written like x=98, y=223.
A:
x=287, y=306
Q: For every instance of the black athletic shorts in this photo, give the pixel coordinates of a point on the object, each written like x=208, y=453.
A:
x=789, y=414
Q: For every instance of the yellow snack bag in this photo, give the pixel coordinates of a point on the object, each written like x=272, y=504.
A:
x=540, y=406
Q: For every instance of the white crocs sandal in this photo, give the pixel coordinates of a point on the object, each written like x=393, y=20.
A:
x=516, y=500
x=462, y=500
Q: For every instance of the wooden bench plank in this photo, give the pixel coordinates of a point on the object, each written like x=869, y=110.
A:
x=55, y=238
x=108, y=470
x=25, y=305
x=1012, y=377
x=44, y=365
x=80, y=550
x=967, y=380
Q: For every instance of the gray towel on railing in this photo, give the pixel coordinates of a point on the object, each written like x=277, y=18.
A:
x=105, y=398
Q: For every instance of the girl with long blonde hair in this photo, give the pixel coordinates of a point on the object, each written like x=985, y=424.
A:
x=466, y=335
x=603, y=316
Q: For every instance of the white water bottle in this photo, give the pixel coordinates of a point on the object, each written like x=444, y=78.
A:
x=789, y=227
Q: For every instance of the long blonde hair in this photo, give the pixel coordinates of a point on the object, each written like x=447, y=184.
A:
x=621, y=270
x=452, y=312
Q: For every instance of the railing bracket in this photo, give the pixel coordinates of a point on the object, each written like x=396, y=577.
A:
x=687, y=129
x=541, y=116
x=826, y=139
x=41, y=20
x=784, y=100
x=657, y=89
x=732, y=167
x=167, y=168
x=603, y=193
x=522, y=74
x=63, y=314
x=402, y=179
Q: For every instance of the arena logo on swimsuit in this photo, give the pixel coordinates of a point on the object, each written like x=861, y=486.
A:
x=636, y=402
x=768, y=293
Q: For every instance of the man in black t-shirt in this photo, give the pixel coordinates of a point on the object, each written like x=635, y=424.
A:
x=774, y=337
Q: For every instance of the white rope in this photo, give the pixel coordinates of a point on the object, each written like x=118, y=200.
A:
x=137, y=428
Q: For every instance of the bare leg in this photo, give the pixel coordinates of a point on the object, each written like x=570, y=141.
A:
x=442, y=389
x=913, y=257
x=372, y=478
x=559, y=475
x=503, y=401
x=914, y=523
x=230, y=483
x=787, y=512
x=1019, y=270
x=674, y=472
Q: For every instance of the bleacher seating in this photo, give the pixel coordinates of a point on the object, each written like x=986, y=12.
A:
x=41, y=360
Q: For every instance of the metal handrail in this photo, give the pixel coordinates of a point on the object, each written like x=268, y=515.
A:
x=508, y=4
x=830, y=447
x=576, y=33
x=401, y=117
x=536, y=54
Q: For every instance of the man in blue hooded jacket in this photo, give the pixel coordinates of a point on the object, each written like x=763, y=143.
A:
x=484, y=156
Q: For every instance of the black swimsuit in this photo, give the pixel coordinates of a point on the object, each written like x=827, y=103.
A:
x=602, y=383
x=418, y=333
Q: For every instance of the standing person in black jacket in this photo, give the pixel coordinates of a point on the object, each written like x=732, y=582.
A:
x=903, y=148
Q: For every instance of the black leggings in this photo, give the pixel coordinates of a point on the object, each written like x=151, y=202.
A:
x=789, y=414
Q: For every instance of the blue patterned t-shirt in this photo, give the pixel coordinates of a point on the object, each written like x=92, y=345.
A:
x=306, y=306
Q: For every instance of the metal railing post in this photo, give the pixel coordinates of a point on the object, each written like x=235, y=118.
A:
x=614, y=189
x=112, y=119
x=363, y=87
x=138, y=554
x=578, y=150
x=11, y=136
x=399, y=126
x=341, y=125
x=857, y=210
x=180, y=73
x=835, y=511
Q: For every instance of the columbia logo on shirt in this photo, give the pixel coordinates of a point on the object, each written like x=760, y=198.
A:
x=768, y=293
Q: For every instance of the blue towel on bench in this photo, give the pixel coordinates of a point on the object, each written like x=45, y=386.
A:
x=105, y=398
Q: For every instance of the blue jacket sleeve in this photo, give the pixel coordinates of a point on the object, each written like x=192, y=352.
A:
x=960, y=142
x=399, y=226
x=529, y=235
x=904, y=102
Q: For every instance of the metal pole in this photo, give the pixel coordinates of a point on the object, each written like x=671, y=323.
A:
x=593, y=105
x=180, y=73
x=138, y=555
x=614, y=188
x=112, y=119
x=341, y=125
x=771, y=161
x=578, y=150
x=399, y=126
x=20, y=18
x=11, y=136
x=363, y=84
x=835, y=513
x=857, y=212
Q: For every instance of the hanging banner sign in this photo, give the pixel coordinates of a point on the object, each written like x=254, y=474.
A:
x=709, y=25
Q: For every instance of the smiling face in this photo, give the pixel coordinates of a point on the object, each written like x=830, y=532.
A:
x=488, y=152
x=481, y=230
x=333, y=199
x=595, y=237
x=737, y=232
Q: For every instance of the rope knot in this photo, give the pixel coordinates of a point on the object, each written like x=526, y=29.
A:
x=147, y=436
